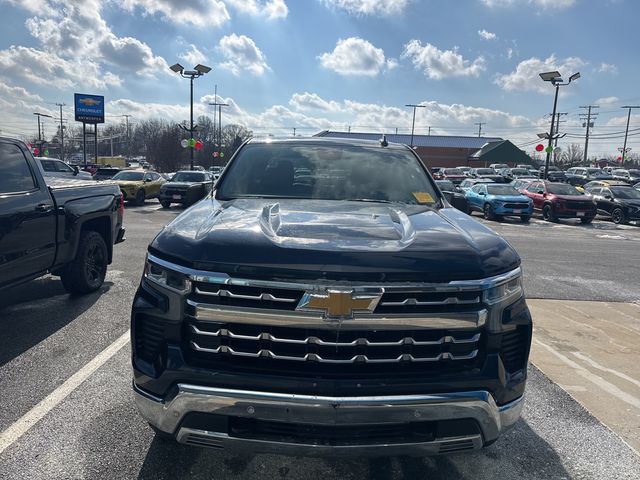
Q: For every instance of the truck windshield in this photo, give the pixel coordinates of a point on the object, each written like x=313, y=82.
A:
x=327, y=172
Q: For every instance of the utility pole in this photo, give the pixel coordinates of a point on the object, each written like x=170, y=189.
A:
x=626, y=132
x=555, y=132
x=429, y=131
x=126, y=119
x=588, y=124
x=294, y=132
x=38, y=114
x=61, y=132
x=413, y=123
x=480, y=128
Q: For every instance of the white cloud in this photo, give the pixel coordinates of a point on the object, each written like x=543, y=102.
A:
x=356, y=56
x=242, y=54
x=46, y=68
x=76, y=30
x=193, y=56
x=201, y=13
x=542, y=4
x=272, y=9
x=607, y=101
x=438, y=64
x=510, y=53
x=485, y=35
x=312, y=101
x=526, y=75
x=18, y=93
x=608, y=68
x=369, y=7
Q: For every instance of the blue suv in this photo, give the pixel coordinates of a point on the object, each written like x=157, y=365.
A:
x=498, y=200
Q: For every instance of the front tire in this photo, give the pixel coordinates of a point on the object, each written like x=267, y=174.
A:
x=140, y=197
x=586, y=220
x=488, y=212
x=86, y=272
x=618, y=216
x=525, y=218
x=165, y=204
x=547, y=214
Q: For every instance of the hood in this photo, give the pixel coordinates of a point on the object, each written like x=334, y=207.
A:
x=629, y=201
x=129, y=183
x=337, y=240
x=179, y=184
x=573, y=198
x=509, y=198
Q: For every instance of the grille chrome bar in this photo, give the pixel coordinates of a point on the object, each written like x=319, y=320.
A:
x=257, y=316
x=262, y=296
x=446, y=301
x=314, y=357
x=447, y=339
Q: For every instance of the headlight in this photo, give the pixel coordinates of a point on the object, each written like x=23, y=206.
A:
x=165, y=277
x=505, y=292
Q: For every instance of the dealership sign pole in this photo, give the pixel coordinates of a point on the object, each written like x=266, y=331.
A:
x=89, y=109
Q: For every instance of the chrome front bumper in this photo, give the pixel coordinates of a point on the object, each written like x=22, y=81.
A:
x=167, y=415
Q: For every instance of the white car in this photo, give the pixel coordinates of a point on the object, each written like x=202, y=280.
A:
x=52, y=167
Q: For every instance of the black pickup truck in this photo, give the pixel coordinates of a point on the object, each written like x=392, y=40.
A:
x=64, y=227
x=350, y=311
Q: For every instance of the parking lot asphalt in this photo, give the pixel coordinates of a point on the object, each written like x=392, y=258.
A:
x=47, y=337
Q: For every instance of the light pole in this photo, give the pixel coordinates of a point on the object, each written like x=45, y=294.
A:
x=413, y=123
x=556, y=81
x=197, y=71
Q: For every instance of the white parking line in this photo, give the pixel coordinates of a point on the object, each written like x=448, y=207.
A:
x=29, y=419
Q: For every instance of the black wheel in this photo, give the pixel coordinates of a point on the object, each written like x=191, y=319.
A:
x=468, y=210
x=488, y=212
x=525, y=218
x=586, y=220
x=547, y=214
x=165, y=204
x=618, y=216
x=87, y=271
x=140, y=197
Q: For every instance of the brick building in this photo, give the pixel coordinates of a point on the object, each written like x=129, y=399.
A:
x=433, y=150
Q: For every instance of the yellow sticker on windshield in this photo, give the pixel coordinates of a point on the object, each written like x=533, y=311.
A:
x=423, y=197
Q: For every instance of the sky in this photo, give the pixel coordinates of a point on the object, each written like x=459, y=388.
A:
x=329, y=64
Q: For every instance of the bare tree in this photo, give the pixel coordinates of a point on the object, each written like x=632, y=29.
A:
x=571, y=156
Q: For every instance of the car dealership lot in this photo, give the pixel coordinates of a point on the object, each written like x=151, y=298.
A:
x=47, y=338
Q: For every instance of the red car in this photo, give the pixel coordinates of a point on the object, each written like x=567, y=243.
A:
x=559, y=200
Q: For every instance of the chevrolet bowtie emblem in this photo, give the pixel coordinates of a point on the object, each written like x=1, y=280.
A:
x=339, y=304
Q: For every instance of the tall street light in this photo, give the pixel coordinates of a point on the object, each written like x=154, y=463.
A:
x=556, y=80
x=413, y=123
x=197, y=71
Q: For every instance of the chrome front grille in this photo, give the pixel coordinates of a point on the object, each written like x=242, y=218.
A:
x=393, y=301
x=229, y=343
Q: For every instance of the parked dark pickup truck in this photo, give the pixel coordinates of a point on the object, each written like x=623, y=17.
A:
x=355, y=312
x=64, y=227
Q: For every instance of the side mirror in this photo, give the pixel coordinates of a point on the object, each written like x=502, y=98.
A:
x=448, y=196
x=76, y=170
x=540, y=192
x=481, y=193
x=608, y=197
